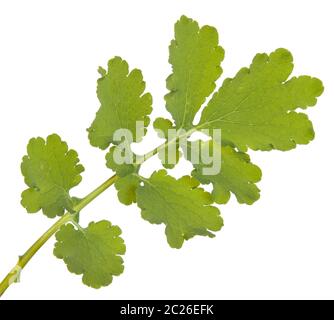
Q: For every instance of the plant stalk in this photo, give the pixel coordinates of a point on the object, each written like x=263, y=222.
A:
x=14, y=275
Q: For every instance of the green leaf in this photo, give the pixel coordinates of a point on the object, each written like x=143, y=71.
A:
x=95, y=252
x=183, y=207
x=127, y=188
x=236, y=173
x=195, y=57
x=123, y=103
x=121, y=160
x=127, y=182
x=170, y=155
x=162, y=126
x=50, y=170
x=256, y=108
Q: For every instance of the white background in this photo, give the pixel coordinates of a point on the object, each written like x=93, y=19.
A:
x=281, y=247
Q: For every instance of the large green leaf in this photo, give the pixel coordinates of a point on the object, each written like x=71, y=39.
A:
x=256, y=108
x=195, y=57
x=123, y=103
x=184, y=208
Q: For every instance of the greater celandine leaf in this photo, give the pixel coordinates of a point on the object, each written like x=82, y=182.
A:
x=50, y=170
x=121, y=160
x=195, y=57
x=95, y=252
x=127, y=189
x=123, y=103
x=170, y=155
x=257, y=108
x=184, y=208
x=236, y=174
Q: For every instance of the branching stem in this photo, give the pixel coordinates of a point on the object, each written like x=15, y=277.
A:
x=14, y=275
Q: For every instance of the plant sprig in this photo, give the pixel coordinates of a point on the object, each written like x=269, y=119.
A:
x=257, y=109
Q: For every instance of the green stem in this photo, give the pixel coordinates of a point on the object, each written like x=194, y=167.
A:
x=165, y=145
x=14, y=274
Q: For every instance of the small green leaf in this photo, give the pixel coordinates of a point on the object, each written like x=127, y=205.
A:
x=170, y=155
x=121, y=161
x=123, y=103
x=95, y=252
x=236, y=173
x=162, y=126
x=127, y=182
x=183, y=207
x=256, y=108
x=195, y=57
x=50, y=170
x=127, y=188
